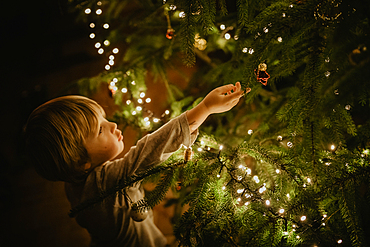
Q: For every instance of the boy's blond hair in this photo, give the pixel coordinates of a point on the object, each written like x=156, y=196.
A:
x=55, y=137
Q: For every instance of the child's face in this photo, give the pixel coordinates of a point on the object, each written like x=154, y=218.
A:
x=105, y=143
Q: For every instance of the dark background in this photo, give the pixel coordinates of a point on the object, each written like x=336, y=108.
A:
x=44, y=51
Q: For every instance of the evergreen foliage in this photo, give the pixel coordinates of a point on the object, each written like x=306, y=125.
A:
x=294, y=170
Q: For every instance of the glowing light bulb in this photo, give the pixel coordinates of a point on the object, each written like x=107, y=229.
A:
x=303, y=218
x=101, y=51
x=146, y=119
x=142, y=95
x=139, y=108
x=200, y=149
x=267, y=202
x=87, y=11
x=222, y=27
x=106, y=26
x=277, y=171
x=280, y=39
x=155, y=120
x=167, y=112
x=281, y=210
x=251, y=51
x=111, y=62
x=140, y=101
x=245, y=50
x=223, y=187
x=111, y=57
x=332, y=147
x=246, y=204
x=221, y=147
x=124, y=90
x=227, y=36
x=148, y=100
x=92, y=35
x=250, y=132
x=115, y=80
x=340, y=241
x=218, y=175
x=128, y=102
x=256, y=179
x=107, y=67
x=133, y=112
x=182, y=14
x=248, y=171
x=92, y=25
x=106, y=43
x=239, y=191
x=98, y=11
x=115, y=50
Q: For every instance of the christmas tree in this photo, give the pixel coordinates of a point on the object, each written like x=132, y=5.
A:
x=288, y=166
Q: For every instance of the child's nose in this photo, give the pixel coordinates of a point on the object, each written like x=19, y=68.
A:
x=113, y=126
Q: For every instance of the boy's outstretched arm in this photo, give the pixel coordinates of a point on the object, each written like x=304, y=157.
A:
x=219, y=100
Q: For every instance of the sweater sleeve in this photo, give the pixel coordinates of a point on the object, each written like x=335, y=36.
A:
x=149, y=151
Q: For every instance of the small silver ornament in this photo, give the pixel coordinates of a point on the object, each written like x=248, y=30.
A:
x=138, y=215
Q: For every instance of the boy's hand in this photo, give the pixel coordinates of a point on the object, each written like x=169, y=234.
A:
x=223, y=98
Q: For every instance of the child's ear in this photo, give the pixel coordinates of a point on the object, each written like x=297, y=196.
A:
x=87, y=166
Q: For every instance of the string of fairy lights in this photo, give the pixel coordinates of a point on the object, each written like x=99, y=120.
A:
x=244, y=194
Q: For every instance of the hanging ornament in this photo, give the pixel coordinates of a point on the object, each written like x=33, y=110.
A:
x=170, y=31
x=262, y=75
x=139, y=211
x=188, y=154
x=200, y=43
x=358, y=55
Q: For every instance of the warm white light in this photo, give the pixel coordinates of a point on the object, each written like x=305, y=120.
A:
x=101, y=51
x=223, y=187
x=146, y=119
x=92, y=35
x=87, y=11
x=227, y=36
x=309, y=180
x=142, y=95
x=182, y=14
x=281, y=210
x=256, y=179
x=155, y=120
x=200, y=149
x=111, y=62
x=106, y=26
x=140, y=101
x=124, y=90
x=332, y=147
x=106, y=43
x=115, y=50
x=92, y=25
x=115, y=80
x=221, y=147
x=133, y=83
x=97, y=44
x=139, y=108
x=245, y=50
x=284, y=14
x=239, y=199
x=107, y=67
x=340, y=241
x=277, y=171
x=167, y=112
x=303, y=218
x=265, y=29
x=250, y=132
x=287, y=195
x=267, y=202
x=262, y=189
x=222, y=27
x=98, y=11
x=248, y=171
x=251, y=51
x=246, y=204
x=239, y=191
x=280, y=39
x=289, y=144
x=133, y=112
x=285, y=233
x=218, y=175
x=111, y=57
x=148, y=100
x=112, y=83
x=128, y=102
x=241, y=167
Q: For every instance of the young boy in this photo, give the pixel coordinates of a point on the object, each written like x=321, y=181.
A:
x=68, y=139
